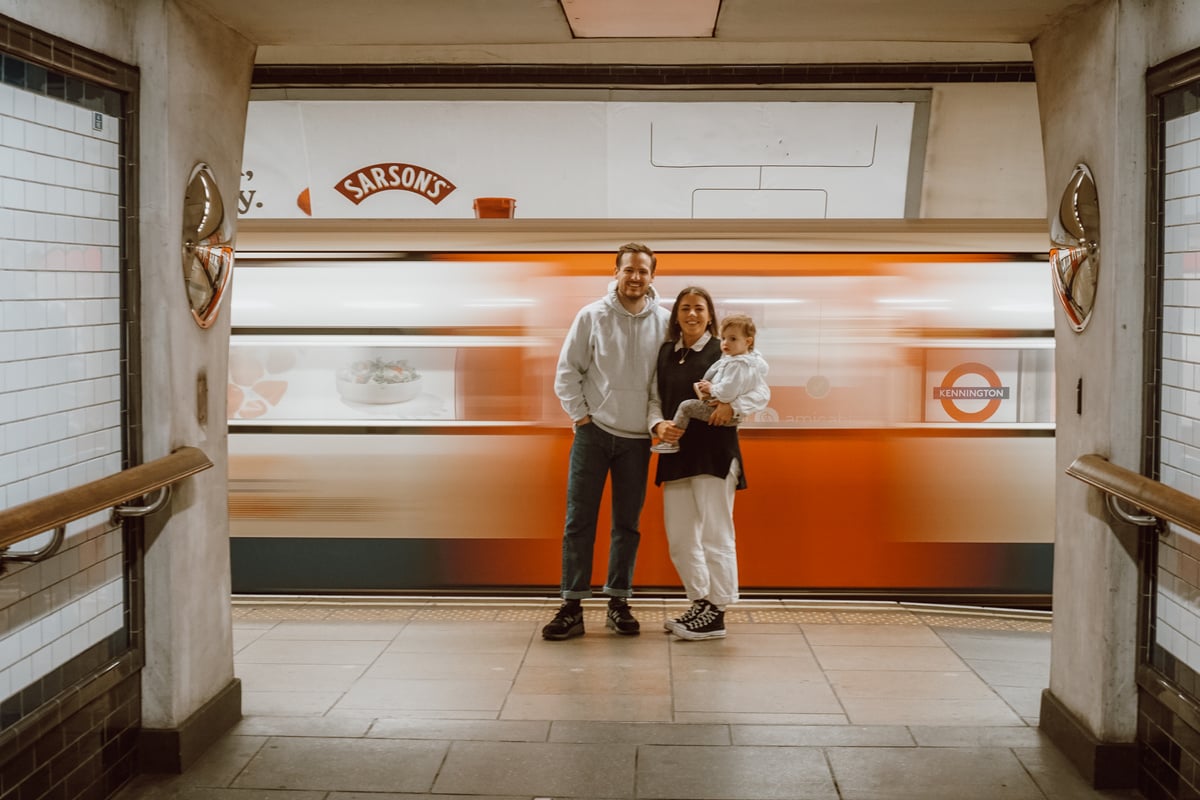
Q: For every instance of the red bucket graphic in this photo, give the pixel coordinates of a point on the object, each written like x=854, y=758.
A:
x=495, y=207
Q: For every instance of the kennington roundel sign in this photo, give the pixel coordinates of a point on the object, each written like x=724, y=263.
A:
x=949, y=392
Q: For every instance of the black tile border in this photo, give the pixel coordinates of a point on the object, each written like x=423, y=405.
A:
x=1168, y=735
x=73, y=62
x=173, y=750
x=32, y=697
x=1176, y=671
x=610, y=75
x=23, y=74
x=1104, y=765
x=50, y=715
x=80, y=747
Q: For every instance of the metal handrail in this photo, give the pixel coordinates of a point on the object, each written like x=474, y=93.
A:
x=1161, y=502
x=53, y=512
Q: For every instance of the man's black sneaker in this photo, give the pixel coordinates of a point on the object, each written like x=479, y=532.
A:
x=621, y=619
x=708, y=623
x=567, y=622
x=695, y=608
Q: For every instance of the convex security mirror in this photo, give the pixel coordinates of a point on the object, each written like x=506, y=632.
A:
x=1075, y=258
x=207, y=246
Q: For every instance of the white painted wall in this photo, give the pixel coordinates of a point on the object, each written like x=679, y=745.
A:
x=983, y=159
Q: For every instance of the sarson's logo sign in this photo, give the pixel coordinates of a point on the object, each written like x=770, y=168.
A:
x=366, y=181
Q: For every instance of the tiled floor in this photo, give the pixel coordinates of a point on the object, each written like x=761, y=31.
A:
x=451, y=699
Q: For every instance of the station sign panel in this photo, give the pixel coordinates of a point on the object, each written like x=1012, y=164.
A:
x=971, y=386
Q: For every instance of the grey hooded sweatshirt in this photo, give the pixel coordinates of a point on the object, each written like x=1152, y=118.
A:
x=607, y=363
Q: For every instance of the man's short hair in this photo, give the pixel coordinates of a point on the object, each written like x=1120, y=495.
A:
x=638, y=247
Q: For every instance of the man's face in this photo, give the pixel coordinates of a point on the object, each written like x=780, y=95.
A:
x=633, y=276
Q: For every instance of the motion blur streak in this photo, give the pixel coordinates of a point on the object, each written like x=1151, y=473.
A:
x=864, y=476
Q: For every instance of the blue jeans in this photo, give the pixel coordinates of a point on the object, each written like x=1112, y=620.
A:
x=594, y=454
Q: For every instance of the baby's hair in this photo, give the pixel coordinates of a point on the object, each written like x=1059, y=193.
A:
x=742, y=321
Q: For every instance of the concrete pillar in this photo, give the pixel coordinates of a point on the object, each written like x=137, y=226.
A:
x=194, y=94
x=1090, y=72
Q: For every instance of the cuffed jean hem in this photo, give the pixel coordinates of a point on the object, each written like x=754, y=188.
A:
x=607, y=591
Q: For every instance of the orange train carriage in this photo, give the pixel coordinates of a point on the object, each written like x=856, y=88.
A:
x=908, y=450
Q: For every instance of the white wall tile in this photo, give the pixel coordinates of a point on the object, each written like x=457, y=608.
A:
x=13, y=132
x=1178, y=618
x=58, y=226
x=35, y=140
x=64, y=116
x=1173, y=158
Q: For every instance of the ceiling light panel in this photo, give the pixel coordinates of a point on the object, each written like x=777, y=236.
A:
x=642, y=19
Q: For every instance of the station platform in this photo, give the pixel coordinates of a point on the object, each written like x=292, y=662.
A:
x=454, y=698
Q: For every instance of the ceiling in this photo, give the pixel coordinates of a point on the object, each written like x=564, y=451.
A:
x=540, y=31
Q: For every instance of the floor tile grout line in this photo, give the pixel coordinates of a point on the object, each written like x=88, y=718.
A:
x=408, y=623
x=984, y=681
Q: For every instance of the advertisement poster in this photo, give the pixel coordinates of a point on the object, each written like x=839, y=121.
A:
x=399, y=159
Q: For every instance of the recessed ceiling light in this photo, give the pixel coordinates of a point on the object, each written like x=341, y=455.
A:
x=642, y=19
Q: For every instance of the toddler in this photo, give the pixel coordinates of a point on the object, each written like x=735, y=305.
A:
x=739, y=377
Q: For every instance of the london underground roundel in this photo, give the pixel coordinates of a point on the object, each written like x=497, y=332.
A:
x=950, y=392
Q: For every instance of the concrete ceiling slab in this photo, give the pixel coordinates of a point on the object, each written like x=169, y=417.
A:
x=539, y=31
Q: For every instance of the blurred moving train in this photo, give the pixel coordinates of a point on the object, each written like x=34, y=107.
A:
x=393, y=425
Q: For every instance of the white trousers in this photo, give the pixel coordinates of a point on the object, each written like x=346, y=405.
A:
x=698, y=515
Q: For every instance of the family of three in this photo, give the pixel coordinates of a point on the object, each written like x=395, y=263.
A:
x=628, y=371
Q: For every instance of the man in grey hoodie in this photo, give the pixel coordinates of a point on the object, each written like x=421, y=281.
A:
x=603, y=382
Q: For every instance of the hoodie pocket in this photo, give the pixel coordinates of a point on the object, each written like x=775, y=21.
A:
x=624, y=410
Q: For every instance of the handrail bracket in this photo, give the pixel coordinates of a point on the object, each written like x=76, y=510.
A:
x=1160, y=503
x=33, y=556
x=119, y=513
x=54, y=512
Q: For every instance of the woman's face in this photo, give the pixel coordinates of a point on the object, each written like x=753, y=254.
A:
x=693, y=315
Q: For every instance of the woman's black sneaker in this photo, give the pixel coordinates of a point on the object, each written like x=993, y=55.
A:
x=621, y=619
x=567, y=622
x=709, y=623
x=696, y=607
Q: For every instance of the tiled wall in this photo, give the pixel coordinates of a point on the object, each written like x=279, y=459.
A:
x=60, y=366
x=85, y=751
x=1177, y=628
x=1168, y=735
